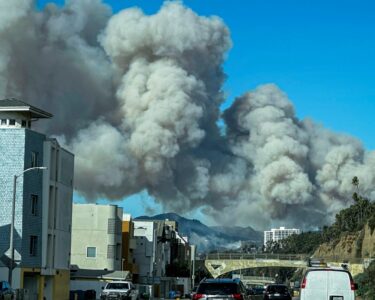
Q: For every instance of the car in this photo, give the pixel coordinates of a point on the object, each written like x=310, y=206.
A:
x=124, y=290
x=327, y=284
x=277, y=292
x=257, y=293
x=223, y=288
x=6, y=291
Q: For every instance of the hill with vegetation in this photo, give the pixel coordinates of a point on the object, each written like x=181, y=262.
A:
x=350, y=236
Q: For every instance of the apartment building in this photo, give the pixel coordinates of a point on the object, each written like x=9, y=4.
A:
x=97, y=237
x=43, y=203
x=277, y=234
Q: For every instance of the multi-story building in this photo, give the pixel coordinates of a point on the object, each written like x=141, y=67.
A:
x=145, y=234
x=162, y=255
x=97, y=237
x=276, y=235
x=43, y=203
x=128, y=245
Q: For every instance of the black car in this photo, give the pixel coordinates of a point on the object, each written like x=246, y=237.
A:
x=257, y=293
x=277, y=292
x=6, y=291
x=224, y=289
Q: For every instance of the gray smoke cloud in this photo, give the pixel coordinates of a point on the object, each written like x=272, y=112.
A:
x=137, y=98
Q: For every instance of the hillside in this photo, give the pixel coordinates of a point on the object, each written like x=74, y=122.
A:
x=210, y=238
x=360, y=244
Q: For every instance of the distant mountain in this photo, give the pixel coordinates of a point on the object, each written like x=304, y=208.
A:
x=210, y=238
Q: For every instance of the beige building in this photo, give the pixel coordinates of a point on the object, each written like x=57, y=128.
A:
x=97, y=237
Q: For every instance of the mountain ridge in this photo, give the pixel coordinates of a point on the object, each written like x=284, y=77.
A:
x=208, y=238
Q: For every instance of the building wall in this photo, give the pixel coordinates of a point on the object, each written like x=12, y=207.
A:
x=58, y=192
x=90, y=228
x=128, y=246
x=145, y=252
x=279, y=234
x=33, y=185
x=12, y=149
x=16, y=145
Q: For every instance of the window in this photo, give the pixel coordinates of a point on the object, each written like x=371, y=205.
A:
x=23, y=123
x=111, y=226
x=12, y=122
x=33, y=245
x=3, y=121
x=34, y=159
x=91, y=252
x=34, y=205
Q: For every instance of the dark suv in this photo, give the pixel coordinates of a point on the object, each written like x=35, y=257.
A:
x=223, y=289
x=277, y=291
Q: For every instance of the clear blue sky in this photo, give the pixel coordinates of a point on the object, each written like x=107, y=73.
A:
x=321, y=53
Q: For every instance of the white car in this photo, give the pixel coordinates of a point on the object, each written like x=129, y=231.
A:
x=327, y=284
x=124, y=290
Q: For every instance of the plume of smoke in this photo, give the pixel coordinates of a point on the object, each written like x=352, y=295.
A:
x=137, y=99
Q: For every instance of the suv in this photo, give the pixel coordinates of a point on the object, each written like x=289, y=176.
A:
x=277, y=291
x=6, y=291
x=223, y=289
x=123, y=290
x=327, y=284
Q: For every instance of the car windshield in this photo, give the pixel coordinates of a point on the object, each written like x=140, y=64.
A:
x=218, y=288
x=117, y=286
x=282, y=289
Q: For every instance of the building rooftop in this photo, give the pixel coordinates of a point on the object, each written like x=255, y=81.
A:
x=15, y=105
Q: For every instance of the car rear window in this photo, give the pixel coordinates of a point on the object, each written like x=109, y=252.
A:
x=317, y=279
x=328, y=278
x=282, y=289
x=339, y=280
x=117, y=286
x=218, y=288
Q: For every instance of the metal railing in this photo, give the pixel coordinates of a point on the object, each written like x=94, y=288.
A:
x=288, y=257
x=230, y=256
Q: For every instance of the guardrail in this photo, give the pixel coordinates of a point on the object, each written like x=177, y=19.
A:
x=257, y=278
x=223, y=256
x=304, y=257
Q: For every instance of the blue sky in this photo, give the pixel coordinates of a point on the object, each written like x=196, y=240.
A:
x=321, y=53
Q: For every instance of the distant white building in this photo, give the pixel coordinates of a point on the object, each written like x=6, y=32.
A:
x=97, y=237
x=276, y=235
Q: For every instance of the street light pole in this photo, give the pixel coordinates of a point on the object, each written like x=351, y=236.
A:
x=11, y=242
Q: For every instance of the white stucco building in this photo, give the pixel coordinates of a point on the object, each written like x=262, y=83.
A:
x=96, y=237
x=276, y=235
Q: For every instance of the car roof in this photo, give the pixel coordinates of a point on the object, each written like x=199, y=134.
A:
x=277, y=284
x=221, y=280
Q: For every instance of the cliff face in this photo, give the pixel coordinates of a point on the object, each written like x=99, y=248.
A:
x=368, y=244
x=350, y=246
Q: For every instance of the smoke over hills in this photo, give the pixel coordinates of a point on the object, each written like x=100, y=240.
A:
x=138, y=97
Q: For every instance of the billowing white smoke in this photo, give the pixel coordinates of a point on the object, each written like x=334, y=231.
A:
x=137, y=99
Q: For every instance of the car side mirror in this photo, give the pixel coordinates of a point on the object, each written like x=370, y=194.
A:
x=102, y=287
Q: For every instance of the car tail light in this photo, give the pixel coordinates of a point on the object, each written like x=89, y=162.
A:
x=353, y=286
x=198, y=296
x=238, y=296
x=304, y=282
